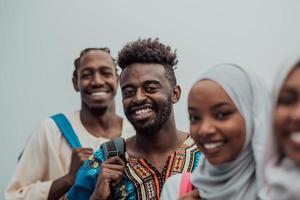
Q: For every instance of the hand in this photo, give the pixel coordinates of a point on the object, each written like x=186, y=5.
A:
x=112, y=171
x=193, y=195
x=62, y=185
x=79, y=155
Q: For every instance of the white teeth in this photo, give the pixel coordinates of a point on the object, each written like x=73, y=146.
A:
x=142, y=111
x=98, y=93
x=213, y=145
x=295, y=137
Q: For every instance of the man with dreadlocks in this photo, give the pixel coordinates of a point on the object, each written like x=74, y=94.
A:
x=48, y=164
x=159, y=149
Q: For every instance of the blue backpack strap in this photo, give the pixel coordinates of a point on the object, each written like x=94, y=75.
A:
x=65, y=127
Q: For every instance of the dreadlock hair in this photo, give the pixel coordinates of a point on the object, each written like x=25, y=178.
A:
x=149, y=51
x=85, y=51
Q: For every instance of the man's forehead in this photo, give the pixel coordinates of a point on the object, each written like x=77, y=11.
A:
x=98, y=55
x=142, y=72
x=141, y=69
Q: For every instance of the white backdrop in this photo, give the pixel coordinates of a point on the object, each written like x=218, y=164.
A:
x=40, y=39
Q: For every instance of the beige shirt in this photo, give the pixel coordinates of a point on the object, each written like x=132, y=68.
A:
x=47, y=157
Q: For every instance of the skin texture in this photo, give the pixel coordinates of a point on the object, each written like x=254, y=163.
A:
x=144, y=86
x=287, y=116
x=146, y=89
x=96, y=73
x=111, y=174
x=215, y=119
x=62, y=185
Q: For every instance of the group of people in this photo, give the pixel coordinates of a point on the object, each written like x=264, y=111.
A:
x=243, y=141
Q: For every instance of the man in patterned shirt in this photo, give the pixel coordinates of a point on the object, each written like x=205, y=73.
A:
x=159, y=150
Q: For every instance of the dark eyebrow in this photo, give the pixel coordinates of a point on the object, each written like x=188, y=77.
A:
x=151, y=82
x=214, y=107
x=106, y=68
x=221, y=105
x=144, y=83
x=191, y=109
x=126, y=86
x=288, y=89
x=86, y=69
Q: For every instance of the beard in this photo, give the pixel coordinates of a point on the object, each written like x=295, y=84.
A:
x=152, y=126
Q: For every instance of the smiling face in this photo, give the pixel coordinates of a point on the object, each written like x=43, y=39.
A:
x=215, y=123
x=287, y=117
x=147, y=96
x=96, y=80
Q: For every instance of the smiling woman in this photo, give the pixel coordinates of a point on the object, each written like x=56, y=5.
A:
x=216, y=124
x=228, y=109
x=283, y=153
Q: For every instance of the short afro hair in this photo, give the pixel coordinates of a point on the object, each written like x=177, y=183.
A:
x=85, y=51
x=149, y=51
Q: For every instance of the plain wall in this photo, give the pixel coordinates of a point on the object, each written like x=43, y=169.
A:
x=40, y=39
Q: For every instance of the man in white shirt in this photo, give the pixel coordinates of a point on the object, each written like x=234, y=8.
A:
x=48, y=164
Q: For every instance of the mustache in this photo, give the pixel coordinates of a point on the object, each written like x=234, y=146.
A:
x=132, y=107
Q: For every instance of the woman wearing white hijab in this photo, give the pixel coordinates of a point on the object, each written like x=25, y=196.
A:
x=282, y=170
x=228, y=109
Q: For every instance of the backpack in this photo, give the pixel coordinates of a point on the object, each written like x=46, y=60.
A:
x=115, y=147
x=111, y=148
x=66, y=129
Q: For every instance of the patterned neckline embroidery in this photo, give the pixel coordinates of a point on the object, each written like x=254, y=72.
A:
x=148, y=180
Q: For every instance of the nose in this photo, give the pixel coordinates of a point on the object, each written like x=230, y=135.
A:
x=206, y=128
x=139, y=96
x=295, y=115
x=97, y=80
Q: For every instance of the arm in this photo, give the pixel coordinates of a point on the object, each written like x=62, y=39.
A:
x=26, y=182
x=39, y=165
x=62, y=185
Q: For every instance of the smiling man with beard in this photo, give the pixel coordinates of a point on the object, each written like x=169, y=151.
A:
x=159, y=150
x=48, y=166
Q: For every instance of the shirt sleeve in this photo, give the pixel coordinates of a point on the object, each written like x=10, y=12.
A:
x=30, y=178
x=86, y=178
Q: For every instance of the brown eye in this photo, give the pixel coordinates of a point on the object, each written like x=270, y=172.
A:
x=85, y=75
x=128, y=92
x=107, y=73
x=223, y=115
x=150, y=89
x=194, y=119
x=287, y=98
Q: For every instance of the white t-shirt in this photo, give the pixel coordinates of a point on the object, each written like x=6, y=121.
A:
x=47, y=157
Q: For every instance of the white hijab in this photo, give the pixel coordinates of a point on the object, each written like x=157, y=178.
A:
x=282, y=179
x=238, y=179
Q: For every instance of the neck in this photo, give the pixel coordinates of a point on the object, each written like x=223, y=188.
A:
x=168, y=138
x=99, y=121
x=156, y=147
